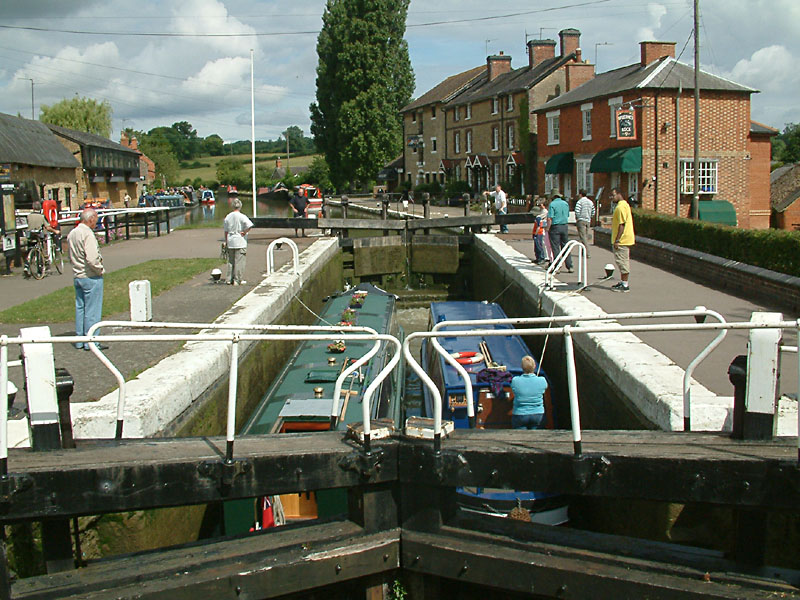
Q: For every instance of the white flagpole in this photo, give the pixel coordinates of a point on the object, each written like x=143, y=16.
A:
x=253, y=129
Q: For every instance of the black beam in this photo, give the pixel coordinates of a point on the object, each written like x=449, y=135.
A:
x=108, y=477
x=284, y=223
x=561, y=572
x=271, y=563
x=393, y=224
x=652, y=465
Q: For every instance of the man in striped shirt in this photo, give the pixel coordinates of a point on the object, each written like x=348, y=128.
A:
x=584, y=211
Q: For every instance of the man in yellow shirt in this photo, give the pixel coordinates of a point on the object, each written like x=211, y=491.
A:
x=622, y=238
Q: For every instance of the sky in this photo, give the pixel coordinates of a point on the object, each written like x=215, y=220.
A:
x=190, y=59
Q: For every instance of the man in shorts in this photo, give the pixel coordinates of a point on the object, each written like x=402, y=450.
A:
x=622, y=238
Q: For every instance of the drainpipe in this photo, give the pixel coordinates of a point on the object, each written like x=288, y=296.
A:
x=678, y=151
x=655, y=138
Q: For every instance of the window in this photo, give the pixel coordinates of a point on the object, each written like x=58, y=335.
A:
x=553, y=127
x=584, y=178
x=495, y=138
x=586, y=120
x=509, y=103
x=496, y=174
x=495, y=105
x=566, y=187
x=413, y=117
x=469, y=141
x=708, y=176
x=510, y=135
x=469, y=177
x=550, y=182
x=633, y=185
x=469, y=112
x=433, y=111
x=613, y=105
x=457, y=142
x=457, y=113
x=458, y=172
x=433, y=145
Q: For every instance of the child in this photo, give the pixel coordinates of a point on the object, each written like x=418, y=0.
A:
x=539, y=233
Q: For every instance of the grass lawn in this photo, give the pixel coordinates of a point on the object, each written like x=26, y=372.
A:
x=59, y=306
x=209, y=173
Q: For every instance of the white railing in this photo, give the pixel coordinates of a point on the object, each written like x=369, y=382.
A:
x=561, y=259
x=271, y=254
x=568, y=331
x=233, y=338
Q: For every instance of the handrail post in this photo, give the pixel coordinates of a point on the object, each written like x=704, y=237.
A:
x=3, y=406
x=701, y=313
x=159, y=212
x=127, y=225
x=166, y=223
x=798, y=390
x=572, y=384
x=146, y=231
x=232, y=384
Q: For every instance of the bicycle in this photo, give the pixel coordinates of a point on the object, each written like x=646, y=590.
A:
x=43, y=254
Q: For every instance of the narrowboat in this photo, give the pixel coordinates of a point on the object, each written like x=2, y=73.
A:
x=490, y=361
x=300, y=398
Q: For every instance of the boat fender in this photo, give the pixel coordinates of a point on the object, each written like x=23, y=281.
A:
x=468, y=360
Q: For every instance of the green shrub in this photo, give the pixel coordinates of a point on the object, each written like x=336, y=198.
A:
x=456, y=188
x=771, y=249
x=434, y=188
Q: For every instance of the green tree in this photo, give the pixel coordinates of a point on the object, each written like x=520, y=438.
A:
x=231, y=171
x=786, y=146
x=157, y=149
x=81, y=114
x=319, y=174
x=187, y=143
x=364, y=77
x=213, y=145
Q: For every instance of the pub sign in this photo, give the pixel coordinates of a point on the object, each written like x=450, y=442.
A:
x=626, y=124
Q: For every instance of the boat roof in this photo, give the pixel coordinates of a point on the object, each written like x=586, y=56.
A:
x=505, y=350
x=291, y=395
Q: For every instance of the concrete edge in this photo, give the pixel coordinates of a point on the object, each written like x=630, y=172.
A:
x=651, y=380
x=161, y=393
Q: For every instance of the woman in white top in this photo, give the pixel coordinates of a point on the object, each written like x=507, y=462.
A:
x=236, y=226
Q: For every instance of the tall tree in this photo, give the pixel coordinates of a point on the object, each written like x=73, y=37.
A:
x=81, y=114
x=364, y=77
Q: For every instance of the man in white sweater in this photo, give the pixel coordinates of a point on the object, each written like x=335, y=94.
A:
x=87, y=269
x=584, y=211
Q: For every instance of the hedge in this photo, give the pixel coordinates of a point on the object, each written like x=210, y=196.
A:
x=772, y=249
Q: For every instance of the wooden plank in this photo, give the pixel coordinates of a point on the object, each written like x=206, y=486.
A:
x=672, y=467
x=440, y=223
x=276, y=562
x=284, y=223
x=394, y=224
x=559, y=572
x=137, y=474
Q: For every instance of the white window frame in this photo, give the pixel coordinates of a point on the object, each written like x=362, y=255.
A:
x=550, y=182
x=414, y=116
x=469, y=141
x=458, y=172
x=457, y=113
x=433, y=145
x=469, y=177
x=586, y=122
x=615, y=180
x=510, y=135
x=495, y=105
x=553, y=128
x=584, y=179
x=468, y=111
x=709, y=176
x=433, y=112
x=496, y=173
x=495, y=138
x=509, y=103
x=613, y=105
x=566, y=187
x=457, y=142
x=633, y=185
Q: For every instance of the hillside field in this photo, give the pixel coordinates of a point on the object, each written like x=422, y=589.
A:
x=209, y=173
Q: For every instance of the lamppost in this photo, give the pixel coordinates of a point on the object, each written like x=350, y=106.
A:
x=33, y=116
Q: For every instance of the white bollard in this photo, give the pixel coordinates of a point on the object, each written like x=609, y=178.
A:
x=141, y=300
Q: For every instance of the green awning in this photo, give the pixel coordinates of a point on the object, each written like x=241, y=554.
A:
x=716, y=211
x=559, y=163
x=617, y=160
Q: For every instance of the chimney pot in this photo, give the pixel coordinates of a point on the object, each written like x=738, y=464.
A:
x=570, y=41
x=497, y=65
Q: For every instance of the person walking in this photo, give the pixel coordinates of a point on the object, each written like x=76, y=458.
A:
x=557, y=219
x=87, y=271
x=539, y=232
x=236, y=227
x=299, y=205
x=584, y=211
x=529, y=389
x=622, y=238
x=500, y=204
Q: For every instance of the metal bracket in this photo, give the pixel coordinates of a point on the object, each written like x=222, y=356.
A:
x=587, y=469
x=366, y=464
x=13, y=484
x=224, y=471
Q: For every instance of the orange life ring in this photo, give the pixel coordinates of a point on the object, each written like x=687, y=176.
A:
x=467, y=358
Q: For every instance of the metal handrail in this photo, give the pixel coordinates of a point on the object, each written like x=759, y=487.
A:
x=212, y=326
x=697, y=312
x=559, y=261
x=568, y=331
x=271, y=254
x=234, y=338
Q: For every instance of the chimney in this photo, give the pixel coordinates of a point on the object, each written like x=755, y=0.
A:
x=134, y=144
x=540, y=50
x=570, y=41
x=123, y=140
x=577, y=74
x=654, y=50
x=497, y=65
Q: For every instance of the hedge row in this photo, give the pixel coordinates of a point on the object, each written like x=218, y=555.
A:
x=772, y=249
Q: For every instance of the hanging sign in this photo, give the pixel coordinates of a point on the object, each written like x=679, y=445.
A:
x=626, y=124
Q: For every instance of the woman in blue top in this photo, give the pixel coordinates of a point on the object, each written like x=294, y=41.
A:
x=528, y=388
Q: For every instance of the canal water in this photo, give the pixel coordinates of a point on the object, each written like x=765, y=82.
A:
x=213, y=215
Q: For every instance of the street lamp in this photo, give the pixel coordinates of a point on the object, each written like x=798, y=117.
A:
x=33, y=116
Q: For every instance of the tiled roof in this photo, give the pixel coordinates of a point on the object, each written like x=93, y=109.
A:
x=89, y=139
x=516, y=80
x=756, y=127
x=27, y=142
x=664, y=73
x=445, y=90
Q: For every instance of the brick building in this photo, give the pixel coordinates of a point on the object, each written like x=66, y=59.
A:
x=32, y=156
x=109, y=170
x=580, y=146
x=147, y=168
x=785, y=194
x=468, y=127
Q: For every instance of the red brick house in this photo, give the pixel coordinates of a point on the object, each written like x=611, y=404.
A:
x=580, y=146
x=785, y=190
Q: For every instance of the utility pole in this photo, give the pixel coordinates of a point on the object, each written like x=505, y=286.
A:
x=286, y=133
x=696, y=182
x=253, y=130
x=33, y=114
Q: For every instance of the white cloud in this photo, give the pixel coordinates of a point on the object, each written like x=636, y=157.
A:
x=770, y=69
x=655, y=13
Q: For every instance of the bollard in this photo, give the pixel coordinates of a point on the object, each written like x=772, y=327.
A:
x=737, y=373
x=385, y=210
x=426, y=209
x=345, y=204
x=466, y=198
